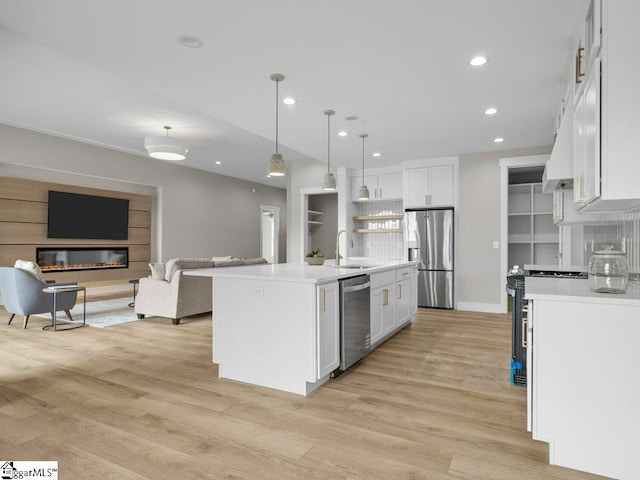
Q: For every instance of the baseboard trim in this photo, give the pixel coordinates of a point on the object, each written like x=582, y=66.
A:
x=481, y=307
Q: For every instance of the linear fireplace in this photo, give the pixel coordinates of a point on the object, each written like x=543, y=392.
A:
x=58, y=259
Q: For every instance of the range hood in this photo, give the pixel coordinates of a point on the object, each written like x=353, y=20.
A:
x=558, y=173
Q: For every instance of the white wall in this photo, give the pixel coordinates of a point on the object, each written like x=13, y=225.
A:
x=480, y=281
x=198, y=213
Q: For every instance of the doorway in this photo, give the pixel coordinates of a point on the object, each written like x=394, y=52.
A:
x=269, y=232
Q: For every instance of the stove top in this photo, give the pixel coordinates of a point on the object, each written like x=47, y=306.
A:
x=556, y=274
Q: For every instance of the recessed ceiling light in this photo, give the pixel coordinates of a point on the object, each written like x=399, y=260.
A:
x=218, y=162
x=477, y=61
x=289, y=101
x=190, y=41
x=376, y=154
x=342, y=133
x=491, y=111
x=498, y=140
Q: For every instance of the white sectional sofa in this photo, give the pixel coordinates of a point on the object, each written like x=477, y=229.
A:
x=168, y=293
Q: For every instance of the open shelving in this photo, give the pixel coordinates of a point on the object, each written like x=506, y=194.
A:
x=533, y=238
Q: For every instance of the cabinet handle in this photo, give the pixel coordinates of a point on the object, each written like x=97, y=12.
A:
x=524, y=333
x=399, y=292
x=324, y=298
x=404, y=274
x=579, y=73
x=385, y=302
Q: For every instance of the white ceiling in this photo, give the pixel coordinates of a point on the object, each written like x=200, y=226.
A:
x=111, y=72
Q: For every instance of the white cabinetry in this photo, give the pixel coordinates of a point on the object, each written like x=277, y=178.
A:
x=607, y=144
x=383, y=305
x=414, y=290
x=533, y=237
x=328, y=329
x=565, y=214
x=386, y=186
x=583, y=398
x=394, y=294
x=429, y=186
x=403, y=299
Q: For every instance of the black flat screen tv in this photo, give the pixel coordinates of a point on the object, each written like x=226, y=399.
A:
x=74, y=215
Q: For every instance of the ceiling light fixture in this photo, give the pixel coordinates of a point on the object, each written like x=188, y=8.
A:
x=491, y=111
x=377, y=154
x=190, y=41
x=329, y=180
x=342, y=133
x=166, y=147
x=477, y=61
x=498, y=140
x=276, y=164
x=289, y=101
x=218, y=162
x=363, y=193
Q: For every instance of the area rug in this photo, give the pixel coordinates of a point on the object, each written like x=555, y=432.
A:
x=102, y=313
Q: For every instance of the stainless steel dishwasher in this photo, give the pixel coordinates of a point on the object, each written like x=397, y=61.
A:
x=355, y=320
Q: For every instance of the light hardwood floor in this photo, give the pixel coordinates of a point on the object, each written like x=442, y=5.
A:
x=143, y=401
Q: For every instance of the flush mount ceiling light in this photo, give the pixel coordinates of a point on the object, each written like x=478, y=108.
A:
x=491, y=111
x=363, y=193
x=329, y=180
x=276, y=164
x=477, y=61
x=166, y=147
x=190, y=41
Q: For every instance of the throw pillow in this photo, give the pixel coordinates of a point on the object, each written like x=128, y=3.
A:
x=176, y=264
x=157, y=271
x=31, y=267
x=253, y=261
x=221, y=259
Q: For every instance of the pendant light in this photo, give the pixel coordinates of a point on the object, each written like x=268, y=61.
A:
x=363, y=193
x=166, y=147
x=329, y=180
x=276, y=164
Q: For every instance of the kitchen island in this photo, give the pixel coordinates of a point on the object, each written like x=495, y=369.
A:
x=278, y=325
x=583, y=393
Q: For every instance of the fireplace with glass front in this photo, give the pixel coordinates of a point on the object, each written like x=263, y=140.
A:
x=61, y=259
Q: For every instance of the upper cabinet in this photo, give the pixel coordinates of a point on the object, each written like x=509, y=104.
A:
x=429, y=186
x=606, y=122
x=386, y=186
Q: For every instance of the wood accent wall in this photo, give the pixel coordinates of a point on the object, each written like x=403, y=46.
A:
x=23, y=227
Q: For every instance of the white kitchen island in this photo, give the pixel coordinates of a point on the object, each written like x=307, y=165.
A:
x=584, y=395
x=277, y=325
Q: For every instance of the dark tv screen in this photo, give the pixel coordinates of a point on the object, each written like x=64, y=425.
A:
x=73, y=215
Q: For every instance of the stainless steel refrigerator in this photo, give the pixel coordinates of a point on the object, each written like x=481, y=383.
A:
x=429, y=236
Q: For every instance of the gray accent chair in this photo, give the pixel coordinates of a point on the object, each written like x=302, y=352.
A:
x=22, y=294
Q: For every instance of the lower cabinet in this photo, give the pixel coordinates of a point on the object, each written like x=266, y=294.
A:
x=383, y=312
x=328, y=329
x=403, y=303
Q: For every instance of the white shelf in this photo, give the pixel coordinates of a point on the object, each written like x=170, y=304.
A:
x=533, y=238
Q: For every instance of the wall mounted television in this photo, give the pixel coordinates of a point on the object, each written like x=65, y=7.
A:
x=74, y=215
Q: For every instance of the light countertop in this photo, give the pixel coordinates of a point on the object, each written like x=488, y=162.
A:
x=299, y=272
x=556, y=268
x=576, y=290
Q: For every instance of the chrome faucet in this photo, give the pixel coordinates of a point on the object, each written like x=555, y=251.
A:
x=338, y=244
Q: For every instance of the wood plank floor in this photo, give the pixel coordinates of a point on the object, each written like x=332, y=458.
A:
x=143, y=401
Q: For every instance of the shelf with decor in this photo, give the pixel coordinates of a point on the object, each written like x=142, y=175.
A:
x=377, y=230
x=377, y=218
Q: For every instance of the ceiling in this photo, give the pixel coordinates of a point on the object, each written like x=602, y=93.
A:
x=110, y=73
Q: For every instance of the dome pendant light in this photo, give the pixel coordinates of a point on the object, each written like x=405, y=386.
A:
x=363, y=193
x=329, y=180
x=166, y=148
x=276, y=164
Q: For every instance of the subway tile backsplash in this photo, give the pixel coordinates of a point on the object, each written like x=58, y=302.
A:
x=619, y=230
x=387, y=245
